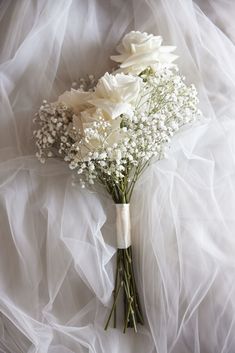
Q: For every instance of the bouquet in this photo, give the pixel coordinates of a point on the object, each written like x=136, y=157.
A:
x=109, y=130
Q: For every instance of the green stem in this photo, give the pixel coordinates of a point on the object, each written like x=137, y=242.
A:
x=114, y=305
x=130, y=309
x=125, y=278
x=114, y=295
x=135, y=296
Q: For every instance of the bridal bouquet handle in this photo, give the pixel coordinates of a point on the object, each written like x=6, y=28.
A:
x=110, y=130
x=125, y=279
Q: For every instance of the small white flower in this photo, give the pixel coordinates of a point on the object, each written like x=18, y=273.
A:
x=103, y=155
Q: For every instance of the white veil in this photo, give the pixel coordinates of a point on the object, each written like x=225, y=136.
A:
x=57, y=241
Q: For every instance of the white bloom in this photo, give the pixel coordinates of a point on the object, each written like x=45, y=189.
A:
x=78, y=100
x=95, y=132
x=116, y=94
x=141, y=50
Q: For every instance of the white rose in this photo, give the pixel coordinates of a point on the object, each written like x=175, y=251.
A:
x=117, y=94
x=85, y=121
x=113, y=131
x=85, y=115
x=141, y=50
x=78, y=100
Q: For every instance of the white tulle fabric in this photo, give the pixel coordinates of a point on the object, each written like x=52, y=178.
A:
x=57, y=241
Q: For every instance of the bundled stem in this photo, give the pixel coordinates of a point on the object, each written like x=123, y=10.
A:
x=125, y=283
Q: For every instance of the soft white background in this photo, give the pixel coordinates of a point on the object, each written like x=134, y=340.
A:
x=57, y=242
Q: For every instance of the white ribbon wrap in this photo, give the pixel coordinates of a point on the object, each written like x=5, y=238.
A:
x=123, y=225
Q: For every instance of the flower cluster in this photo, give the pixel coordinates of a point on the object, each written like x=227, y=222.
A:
x=110, y=130
x=53, y=121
